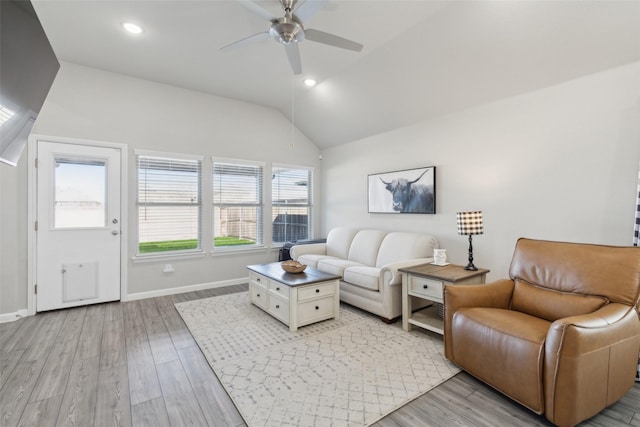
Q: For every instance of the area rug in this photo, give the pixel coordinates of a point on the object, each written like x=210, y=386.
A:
x=347, y=372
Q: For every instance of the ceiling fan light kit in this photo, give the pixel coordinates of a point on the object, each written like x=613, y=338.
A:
x=286, y=30
x=289, y=30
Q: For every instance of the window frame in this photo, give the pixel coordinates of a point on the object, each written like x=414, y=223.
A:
x=309, y=205
x=260, y=205
x=177, y=157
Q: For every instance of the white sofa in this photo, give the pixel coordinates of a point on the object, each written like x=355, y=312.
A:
x=368, y=262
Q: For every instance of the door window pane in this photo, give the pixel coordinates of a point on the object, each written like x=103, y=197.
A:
x=80, y=193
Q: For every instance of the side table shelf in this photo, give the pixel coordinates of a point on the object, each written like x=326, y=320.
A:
x=427, y=282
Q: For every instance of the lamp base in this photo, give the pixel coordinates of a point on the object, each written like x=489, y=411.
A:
x=471, y=267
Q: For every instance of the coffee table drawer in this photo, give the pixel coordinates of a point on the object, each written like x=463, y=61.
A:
x=317, y=291
x=315, y=311
x=279, y=289
x=258, y=295
x=258, y=279
x=279, y=309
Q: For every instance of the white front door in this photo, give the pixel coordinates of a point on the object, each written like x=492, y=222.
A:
x=78, y=228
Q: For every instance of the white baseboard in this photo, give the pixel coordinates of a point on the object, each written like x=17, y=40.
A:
x=12, y=317
x=183, y=289
x=17, y=315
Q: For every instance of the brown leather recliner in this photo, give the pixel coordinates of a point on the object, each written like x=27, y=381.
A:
x=561, y=337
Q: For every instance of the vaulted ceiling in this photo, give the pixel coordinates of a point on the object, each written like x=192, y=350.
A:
x=421, y=58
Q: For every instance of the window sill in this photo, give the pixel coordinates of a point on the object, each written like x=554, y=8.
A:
x=237, y=250
x=167, y=256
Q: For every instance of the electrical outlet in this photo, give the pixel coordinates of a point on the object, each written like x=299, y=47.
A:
x=168, y=268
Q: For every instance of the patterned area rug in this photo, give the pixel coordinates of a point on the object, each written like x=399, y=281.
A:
x=347, y=372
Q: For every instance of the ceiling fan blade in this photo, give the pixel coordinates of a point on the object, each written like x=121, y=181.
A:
x=330, y=39
x=307, y=8
x=258, y=10
x=247, y=41
x=293, y=53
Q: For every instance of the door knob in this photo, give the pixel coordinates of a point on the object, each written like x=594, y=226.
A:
x=115, y=232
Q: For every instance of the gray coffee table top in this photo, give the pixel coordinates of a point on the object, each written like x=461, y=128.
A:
x=275, y=272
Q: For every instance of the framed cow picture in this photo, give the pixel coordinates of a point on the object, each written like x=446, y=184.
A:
x=405, y=191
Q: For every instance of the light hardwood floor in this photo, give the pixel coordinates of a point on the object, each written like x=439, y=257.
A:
x=136, y=364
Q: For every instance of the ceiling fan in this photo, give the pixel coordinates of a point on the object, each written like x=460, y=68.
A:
x=289, y=30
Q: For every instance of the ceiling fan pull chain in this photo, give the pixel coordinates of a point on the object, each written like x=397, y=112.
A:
x=293, y=112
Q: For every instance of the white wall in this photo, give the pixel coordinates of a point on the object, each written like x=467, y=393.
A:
x=560, y=164
x=86, y=103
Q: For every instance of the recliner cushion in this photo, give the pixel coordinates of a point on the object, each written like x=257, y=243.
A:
x=363, y=276
x=482, y=337
x=550, y=304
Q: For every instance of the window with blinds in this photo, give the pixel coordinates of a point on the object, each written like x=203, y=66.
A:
x=237, y=204
x=291, y=203
x=168, y=203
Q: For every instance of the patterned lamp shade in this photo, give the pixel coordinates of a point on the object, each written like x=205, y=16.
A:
x=470, y=223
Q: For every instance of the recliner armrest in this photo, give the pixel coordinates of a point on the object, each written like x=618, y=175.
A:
x=599, y=329
x=312, y=248
x=599, y=351
x=496, y=294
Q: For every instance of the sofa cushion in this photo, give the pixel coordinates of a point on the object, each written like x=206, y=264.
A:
x=399, y=246
x=335, y=266
x=363, y=276
x=312, y=259
x=339, y=241
x=365, y=246
x=550, y=304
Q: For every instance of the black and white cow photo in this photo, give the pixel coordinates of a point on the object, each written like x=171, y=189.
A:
x=407, y=191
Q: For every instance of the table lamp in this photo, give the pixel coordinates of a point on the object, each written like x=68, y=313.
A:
x=470, y=223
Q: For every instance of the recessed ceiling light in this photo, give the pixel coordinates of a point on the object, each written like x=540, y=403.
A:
x=132, y=28
x=310, y=82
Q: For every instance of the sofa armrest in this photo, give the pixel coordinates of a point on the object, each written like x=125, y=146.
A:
x=496, y=294
x=598, y=351
x=389, y=272
x=312, y=248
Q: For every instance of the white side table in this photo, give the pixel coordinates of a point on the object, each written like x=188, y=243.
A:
x=427, y=282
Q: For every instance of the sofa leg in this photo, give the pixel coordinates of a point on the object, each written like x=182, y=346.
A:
x=390, y=321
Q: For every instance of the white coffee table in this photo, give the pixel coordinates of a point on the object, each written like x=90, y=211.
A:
x=295, y=299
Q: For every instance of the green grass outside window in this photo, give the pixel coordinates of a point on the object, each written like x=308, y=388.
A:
x=181, y=245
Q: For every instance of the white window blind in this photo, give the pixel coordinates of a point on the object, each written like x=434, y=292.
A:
x=168, y=203
x=237, y=204
x=291, y=201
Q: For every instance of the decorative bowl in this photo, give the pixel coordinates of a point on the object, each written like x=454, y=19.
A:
x=293, y=266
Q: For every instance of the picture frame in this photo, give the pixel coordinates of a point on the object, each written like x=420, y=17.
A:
x=404, y=191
